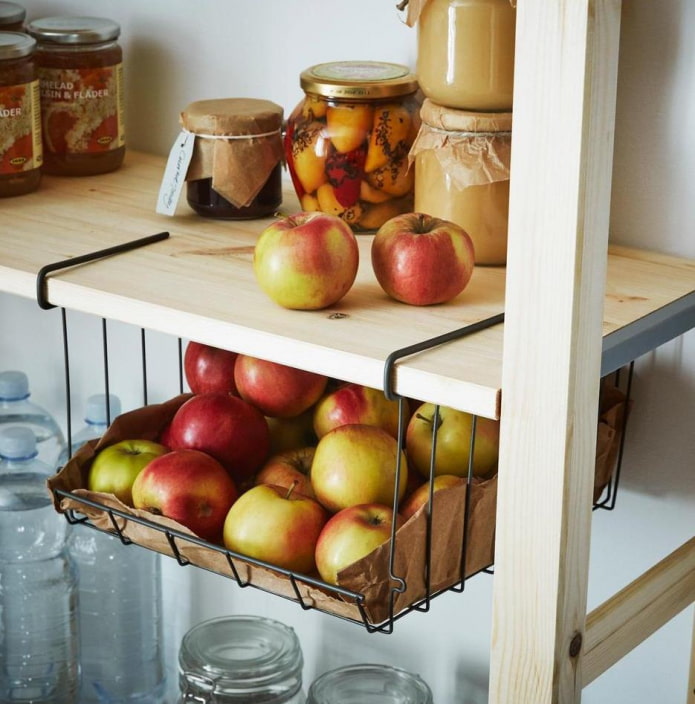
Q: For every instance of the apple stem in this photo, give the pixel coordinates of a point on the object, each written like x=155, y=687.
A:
x=291, y=489
x=430, y=420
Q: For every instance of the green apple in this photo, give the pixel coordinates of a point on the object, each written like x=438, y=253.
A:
x=115, y=467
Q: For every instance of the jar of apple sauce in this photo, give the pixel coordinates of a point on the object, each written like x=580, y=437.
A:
x=347, y=142
x=235, y=171
x=20, y=116
x=462, y=164
x=11, y=17
x=465, y=53
x=81, y=73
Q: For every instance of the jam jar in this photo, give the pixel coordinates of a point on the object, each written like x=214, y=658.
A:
x=20, y=124
x=241, y=659
x=462, y=162
x=11, y=17
x=81, y=73
x=235, y=171
x=465, y=53
x=347, y=141
x=369, y=684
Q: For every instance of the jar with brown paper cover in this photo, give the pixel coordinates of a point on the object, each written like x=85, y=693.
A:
x=462, y=164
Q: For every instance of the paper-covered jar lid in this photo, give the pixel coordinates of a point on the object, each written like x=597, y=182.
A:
x=232, y=116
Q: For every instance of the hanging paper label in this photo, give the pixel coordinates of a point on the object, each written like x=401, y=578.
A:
x=175, y=173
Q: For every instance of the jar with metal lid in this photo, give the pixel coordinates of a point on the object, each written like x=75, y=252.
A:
x=369, y=684
x=235, y=171
x=347, y=141
x=241, y=659
x=462, y=162
x=20, y=110
x=465, y=53
x=11, y=17
x=80, y=66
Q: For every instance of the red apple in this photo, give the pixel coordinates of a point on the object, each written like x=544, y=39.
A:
x=116, y=467
x=292, y=433
x=306, y=261
x=354, y=403
x=190, y=487
x=453, y=442
x=275, y=525
x=356, y=464
x=290, y=469
x=231, y=430
x=422, y=260
x=421, y=495
x=351, y=534
x=209, y=368
x=276, y=389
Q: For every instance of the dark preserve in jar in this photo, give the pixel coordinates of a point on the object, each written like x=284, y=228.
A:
x=81, y=73
x=11, y=17
x=20, y=124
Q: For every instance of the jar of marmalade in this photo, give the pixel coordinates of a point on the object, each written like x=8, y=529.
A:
x=80, y=69
x=11, y=17
x=347, y=142
x=20, y=116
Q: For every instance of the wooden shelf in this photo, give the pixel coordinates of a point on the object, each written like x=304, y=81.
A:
x=199, y=284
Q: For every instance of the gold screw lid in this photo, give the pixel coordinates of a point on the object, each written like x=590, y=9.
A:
x=15, y=45
x=74, y=30
x=358, y=80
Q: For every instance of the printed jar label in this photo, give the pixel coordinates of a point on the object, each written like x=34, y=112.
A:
x=20, y=128
x=82, y=109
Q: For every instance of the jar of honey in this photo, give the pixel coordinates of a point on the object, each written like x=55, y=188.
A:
x=81, y=73
x=11, y=17
x=347, y=141
x=465, y=53
x=235, y=171
x=462, y=162
x=20, y=124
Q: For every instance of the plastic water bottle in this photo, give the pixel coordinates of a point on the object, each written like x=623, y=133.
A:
x=38, y=582
x=17, y=410
x=120, y=603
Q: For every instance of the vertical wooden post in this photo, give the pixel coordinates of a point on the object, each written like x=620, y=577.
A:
x=564, y=114
x=690, y=697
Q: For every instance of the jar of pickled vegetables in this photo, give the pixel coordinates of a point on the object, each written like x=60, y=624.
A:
x=11, y=17
x=347, y=141
x=80, y=70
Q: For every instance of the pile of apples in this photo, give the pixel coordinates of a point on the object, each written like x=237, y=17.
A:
x=290, y=467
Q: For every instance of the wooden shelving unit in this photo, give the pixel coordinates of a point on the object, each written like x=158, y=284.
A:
x=572, y=313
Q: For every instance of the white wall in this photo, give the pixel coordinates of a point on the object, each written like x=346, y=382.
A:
x=178, y=51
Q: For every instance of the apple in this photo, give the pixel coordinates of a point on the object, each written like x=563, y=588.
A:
x=209, y=368
x=351, y=534
x=453, y=442
x=418, y=498
x=306, y=261
x=275, y=525
x=421, y=260
x=115, y=467
x=276, y=389
x=231, y=430
x=290, y=469
x=356, y=464
x=190, y=487
x=354, y=403
x=292, y=433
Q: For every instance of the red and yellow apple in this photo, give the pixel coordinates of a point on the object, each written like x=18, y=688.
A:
x=209, y=368
x=419, y=498
x=356, y=464
x=306, y=261
x=350, y=535
x=292, y=433
x=277, y=390
x=190, y=487
x=275, y=525
x=115, y=468
x=290, y=469
x=422, y=260
x=453, y=442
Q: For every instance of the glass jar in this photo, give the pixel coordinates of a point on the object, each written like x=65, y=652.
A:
x=20, y=111
x=465, y=53
x=347, y=141
x=81, y=73
x=236, y=167
x=462, y=162
x=241, y=659
x=11, y=17
x=369, y=684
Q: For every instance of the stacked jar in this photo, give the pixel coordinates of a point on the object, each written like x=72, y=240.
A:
x=465, y=68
